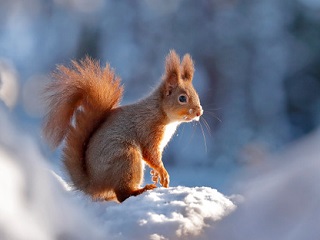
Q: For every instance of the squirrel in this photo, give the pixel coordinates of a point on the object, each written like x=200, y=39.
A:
x=105, y=144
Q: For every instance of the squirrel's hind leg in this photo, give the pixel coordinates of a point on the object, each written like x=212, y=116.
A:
x=130, y=171
x=124, y=194
x=142, y=190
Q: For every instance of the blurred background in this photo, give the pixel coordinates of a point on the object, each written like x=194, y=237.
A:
x=257, y=70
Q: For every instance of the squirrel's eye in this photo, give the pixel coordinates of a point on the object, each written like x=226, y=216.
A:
x=183, y=98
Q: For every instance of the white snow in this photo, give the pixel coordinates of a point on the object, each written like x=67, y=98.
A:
x=173, y=213
x=33, y=205
x=282, y=197
x=9, y=86
x=37, y=204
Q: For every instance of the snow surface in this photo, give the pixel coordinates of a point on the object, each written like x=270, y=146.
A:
x=282, y=197
x=36, y=204
x=173, y=213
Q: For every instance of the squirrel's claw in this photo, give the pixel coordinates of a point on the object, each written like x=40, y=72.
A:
x=163, y=175
x=154, y=176
x=164, y=178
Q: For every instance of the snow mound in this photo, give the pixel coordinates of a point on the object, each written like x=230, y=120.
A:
x=281, y=198
x=173, y=213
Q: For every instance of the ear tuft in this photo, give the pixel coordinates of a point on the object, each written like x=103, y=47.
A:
x=187, y=68
x=172, y=68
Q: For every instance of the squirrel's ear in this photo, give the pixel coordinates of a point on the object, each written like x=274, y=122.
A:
x=187, y=68
x=172, y=71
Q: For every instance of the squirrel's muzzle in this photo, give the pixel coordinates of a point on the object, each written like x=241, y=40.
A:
x=199, y=111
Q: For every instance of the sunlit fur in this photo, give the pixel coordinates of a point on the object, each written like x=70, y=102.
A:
x=97, y=91
x=106, y=143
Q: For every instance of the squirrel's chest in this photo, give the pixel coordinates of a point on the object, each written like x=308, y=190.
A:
x=168, y=132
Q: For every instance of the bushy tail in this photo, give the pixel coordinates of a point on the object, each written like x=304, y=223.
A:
x=79, y=99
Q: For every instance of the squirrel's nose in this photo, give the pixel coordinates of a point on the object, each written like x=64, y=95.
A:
x=199, y=112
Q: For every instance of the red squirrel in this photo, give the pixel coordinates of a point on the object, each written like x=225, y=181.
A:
x=105, y=143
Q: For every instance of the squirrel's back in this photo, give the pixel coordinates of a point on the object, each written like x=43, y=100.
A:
x=80, y=99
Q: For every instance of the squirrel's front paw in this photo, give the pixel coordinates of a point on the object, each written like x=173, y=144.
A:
x=154, y=176
x=164, y=178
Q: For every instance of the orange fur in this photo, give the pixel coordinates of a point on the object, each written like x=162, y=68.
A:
x=97, y=91
x=187, y=67
x=105, y=143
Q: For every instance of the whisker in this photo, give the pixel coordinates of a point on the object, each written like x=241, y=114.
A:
x=206, y=125
x=212, y=109
x=204, y=138
x=213, y=115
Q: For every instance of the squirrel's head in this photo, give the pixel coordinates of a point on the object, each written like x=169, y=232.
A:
x=180, y=100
